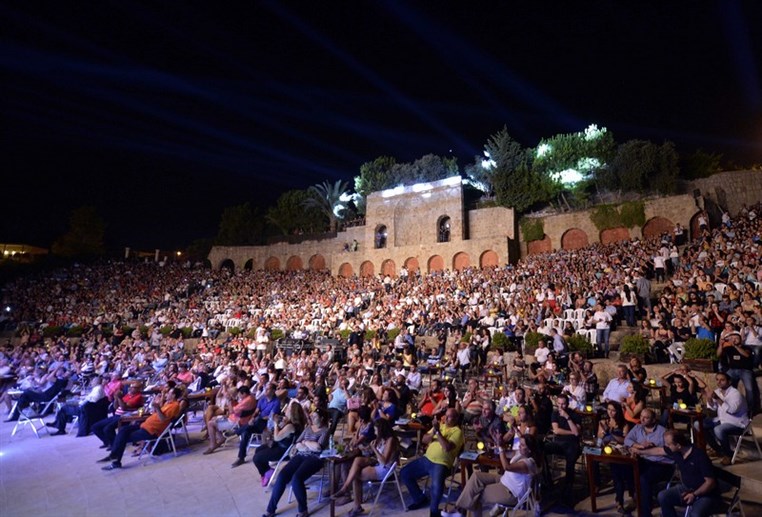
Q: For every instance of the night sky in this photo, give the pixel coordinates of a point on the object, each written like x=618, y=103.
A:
x=162, y=114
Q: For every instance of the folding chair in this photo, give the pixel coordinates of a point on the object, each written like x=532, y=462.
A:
x=28, y=416
x=529, y=501
x=393, y=473
x=748, y=432
x=322, y=473
x=285, y=457
x=166, y=436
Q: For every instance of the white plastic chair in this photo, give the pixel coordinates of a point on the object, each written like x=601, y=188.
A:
x=285, y=457
x=322, y=473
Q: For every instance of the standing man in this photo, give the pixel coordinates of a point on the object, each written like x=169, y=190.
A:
x=445, y=442
x=566, y=430
x=602, y=328
x=698, y=488
x=643, y=290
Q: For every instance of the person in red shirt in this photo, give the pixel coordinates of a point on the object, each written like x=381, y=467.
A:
x=131, y=401
x=148, y=430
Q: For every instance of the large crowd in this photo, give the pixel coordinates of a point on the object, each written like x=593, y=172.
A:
x=127, y=335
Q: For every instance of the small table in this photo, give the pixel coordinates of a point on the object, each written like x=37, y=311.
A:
x=614, y=457
x=697, y=431
x=660, y=388
x=419, y=428
x=589, y=422
x=485, y=460
x=331, y=463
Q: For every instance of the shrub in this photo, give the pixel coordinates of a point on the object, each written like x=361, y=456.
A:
x=252, y=333
x=532, y=229
x=344, y=334
x=466, y=338
x=165, y=330
x=234, y=331
x=187, y=332
x=501, y=342
x=700, y=349
x=52, y=331
x=370, y=335
x=127, y=330
x=144, y=331
x=75, y=331
x=276, y=334
x=635, y=344
x=531, y=340
x=392, y=334
x=578, y=343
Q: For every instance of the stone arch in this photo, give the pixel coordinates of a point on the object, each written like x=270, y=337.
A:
x=610, y=235
x=412, y=264
x=294, y=263
x=436, y=263
x=540, y=246
x=388, y=267
x=317, y=262
x=272, y=264
x=249, y=264
x=574, y=239
x=461, y=261
x=488, y=259
x=656, y=226
x=694, y=226
x=367, y=269
x=444, y=228
x=228, y=264
x=345, y=270
x=379, y=236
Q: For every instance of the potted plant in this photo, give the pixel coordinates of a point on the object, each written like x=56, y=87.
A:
x=700, y=355
x=531, y=340
x=276, y=334
x=634, y=345
x=501, y=342
x=579, y=343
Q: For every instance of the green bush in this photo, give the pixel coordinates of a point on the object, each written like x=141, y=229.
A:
x=276, y=334
x=187, y=332
x=127, y=330
x=627, y=215
x=578, y=343
x=75, y=331
x=392, y=334
x=234, y=331
x=165, y=330
x=532, y=229
x=344, y=334
x=700, y=349
x=635, y=344
x=370, y=335
x=144, y=331
x=252, y=333
x=52, y=331
x=632, y=213
x=531, y=340
x=501, y=342
x=466, y=338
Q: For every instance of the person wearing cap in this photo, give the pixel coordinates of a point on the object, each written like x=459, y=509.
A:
x=737, y=361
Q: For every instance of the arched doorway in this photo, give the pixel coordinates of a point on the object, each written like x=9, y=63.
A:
x=412, y=264
x=249, y=265
x=610, y=235
x=656, y=226
x=488, y=259
x=345, y=270
x=436, y=263
x=541, y=246
x=443, y=229
x=294, y=263
x=380, y=236
x=228, y=264
x=317, y=262
x=272, y=264
x=388, y=267
x=574, y=239
x=367, y=269
x=461, y=261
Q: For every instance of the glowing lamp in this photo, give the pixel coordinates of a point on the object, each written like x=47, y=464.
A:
x=589, y=409
x=608, y=450
x=480, y=446
x=412, y=415
x=506, y=408
x=328, y=390
x=651, y=382
x=683, y=405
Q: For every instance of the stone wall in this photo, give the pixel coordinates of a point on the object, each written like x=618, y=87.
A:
x=410, y=217
x=731, y=189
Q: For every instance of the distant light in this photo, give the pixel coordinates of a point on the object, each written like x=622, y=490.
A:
x=8, y=308
x=179, y=253
x=543, y=149
x=588, y=164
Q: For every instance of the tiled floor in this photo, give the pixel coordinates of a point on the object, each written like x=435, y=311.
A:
x=59, y=476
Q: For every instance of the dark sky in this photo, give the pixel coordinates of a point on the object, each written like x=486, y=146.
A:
x=160, y=114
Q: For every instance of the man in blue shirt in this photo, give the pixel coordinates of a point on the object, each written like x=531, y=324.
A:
x=646, y=440
x=699, y=488
x=267, y=406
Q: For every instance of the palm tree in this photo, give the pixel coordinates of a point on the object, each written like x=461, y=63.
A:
x=330, y=199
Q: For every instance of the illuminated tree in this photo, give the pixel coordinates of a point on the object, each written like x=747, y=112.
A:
x=289, y=215
x=384, y=172
x=330, y=200
x=375, y=175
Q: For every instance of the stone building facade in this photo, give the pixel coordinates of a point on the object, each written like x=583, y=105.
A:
x=422, y=227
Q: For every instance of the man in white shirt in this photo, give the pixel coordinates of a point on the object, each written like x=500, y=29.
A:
x=413, y=379
x=752, y=337
x=602, y=328
x=732, y=416
x=616, y=389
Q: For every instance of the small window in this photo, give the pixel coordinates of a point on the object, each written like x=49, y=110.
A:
x=380, y=237
x=443, y=229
